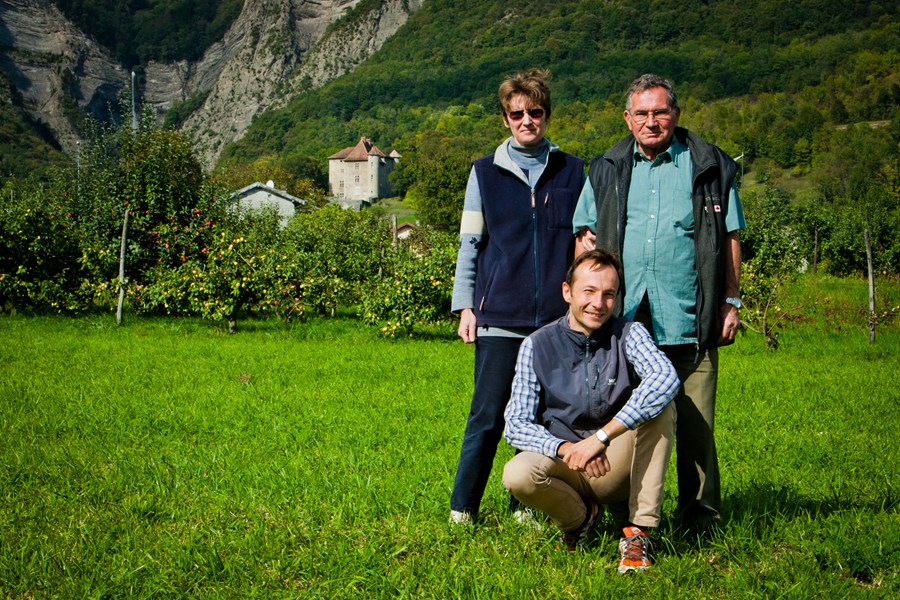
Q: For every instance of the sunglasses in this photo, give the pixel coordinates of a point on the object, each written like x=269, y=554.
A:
x=518, y=115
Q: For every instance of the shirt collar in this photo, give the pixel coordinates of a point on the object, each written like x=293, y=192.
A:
x=580, y=338
x=674, y=153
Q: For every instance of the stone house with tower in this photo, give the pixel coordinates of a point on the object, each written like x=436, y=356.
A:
x=359, y=174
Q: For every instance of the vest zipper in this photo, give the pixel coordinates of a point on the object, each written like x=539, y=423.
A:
x=710, y=226
x=587, y=377
x=536, y=262
x=619, y=237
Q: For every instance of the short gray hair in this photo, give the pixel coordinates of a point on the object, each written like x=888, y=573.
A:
x=648, y=81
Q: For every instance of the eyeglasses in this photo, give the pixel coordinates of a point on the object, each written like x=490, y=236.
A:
x=518, y=115
x=660, y=114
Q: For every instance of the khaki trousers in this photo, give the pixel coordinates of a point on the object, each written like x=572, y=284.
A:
x=638, y=462
x=696, y=460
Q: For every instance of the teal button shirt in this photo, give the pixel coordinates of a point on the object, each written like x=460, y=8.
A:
x=658, y=247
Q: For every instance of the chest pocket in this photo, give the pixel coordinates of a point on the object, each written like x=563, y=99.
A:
x=605, y=385
x=684, y=227
x=682, y=232
x=559, y=206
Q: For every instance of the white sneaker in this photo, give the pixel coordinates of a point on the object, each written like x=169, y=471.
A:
x=525, y=517
x=458, y=517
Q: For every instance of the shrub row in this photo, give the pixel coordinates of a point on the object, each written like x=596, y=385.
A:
x=191, y=251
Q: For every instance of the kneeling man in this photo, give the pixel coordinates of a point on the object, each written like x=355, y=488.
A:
x=590, y=412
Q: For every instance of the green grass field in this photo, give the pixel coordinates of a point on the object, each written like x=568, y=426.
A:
x=167, y=458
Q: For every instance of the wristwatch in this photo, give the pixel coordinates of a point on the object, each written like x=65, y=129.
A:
x=735, y=302
x=601, y=435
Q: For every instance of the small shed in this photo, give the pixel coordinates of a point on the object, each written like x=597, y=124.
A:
x=257, y=196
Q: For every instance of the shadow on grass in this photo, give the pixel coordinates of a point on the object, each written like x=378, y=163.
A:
x=437, y=333
x=345, y=322
x=767, y=503
x=759, y=510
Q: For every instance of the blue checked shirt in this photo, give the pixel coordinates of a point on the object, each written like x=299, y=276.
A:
x=658, y=386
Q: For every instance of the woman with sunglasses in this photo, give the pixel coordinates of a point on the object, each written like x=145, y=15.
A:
x=516, y=244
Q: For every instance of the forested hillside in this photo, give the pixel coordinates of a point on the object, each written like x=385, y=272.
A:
x=806, y=91
x=22, y=150
x=453, y=53
x=137, y=31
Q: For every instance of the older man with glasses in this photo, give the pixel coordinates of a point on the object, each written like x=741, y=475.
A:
x=665, y=201
x=515, y=246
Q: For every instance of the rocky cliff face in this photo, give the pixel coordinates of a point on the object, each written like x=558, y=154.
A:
x=274, y=50
x=53, y=65
x=350, y=43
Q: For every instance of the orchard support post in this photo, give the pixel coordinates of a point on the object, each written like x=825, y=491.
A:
x=122, y=268
x=871, y=289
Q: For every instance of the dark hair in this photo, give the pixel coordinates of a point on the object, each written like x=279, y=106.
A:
x=649, y=81
x=597, y=259
x=531, y=84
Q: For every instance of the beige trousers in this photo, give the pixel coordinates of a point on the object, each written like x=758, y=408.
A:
x=638, y=461
x=699, y=488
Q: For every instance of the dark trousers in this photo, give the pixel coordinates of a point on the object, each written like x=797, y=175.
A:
x=495, y=367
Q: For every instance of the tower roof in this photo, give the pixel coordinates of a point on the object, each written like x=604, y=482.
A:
x=360, y=152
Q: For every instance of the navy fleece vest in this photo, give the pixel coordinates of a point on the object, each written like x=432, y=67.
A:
x=528, y=243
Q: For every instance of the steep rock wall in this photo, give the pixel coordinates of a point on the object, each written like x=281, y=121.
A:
x=274, y=50
x=53, y=66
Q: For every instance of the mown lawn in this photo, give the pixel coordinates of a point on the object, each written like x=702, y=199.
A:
x=166, y=458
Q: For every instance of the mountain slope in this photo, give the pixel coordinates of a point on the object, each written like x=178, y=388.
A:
x=389, y=67
x=454, y=53
x=56, y=69
x=279, y=51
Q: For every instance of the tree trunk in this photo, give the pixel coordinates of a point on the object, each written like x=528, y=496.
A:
x=815, y=264
x=396, y=237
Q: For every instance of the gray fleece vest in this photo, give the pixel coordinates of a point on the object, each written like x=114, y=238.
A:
x=584, y=380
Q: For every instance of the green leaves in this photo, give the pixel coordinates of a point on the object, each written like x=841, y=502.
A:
x=39, y=249
x=772, y=258
x=439, y=165
x=162, y=30
x=418, y=286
